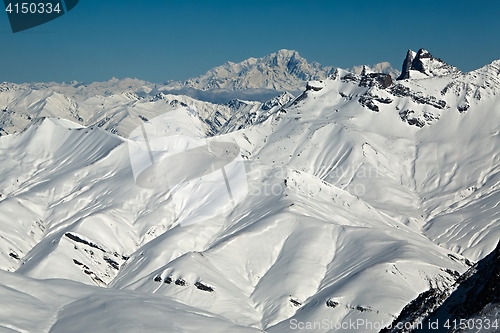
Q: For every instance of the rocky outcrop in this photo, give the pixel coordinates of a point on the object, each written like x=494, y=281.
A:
x=425, y=63
x=474, y=291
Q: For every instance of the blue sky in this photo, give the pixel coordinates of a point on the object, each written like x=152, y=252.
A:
x=162, y=40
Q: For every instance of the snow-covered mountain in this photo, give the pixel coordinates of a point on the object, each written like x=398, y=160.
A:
x=363, y=193
x=284, y=70
x=382, y=67
x=111, y=104
x=115, y=112
x=471, y=304
x=422, y=62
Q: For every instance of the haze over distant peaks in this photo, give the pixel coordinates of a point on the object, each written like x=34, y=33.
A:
x=284, y=70
x=257, y=79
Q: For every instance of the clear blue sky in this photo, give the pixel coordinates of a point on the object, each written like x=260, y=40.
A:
x=162, y=40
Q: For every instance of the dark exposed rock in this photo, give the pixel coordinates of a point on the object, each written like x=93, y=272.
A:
x=473, y=292
x=168, y=280
x=203, y=287
x=383, y=100
x=463, y=107
x=112, y=263
x=76, y=262
x=408, y=116
x=415, y=310
x=311, y=87
x=295, y=302
x=480, y=289
x=332, y=304
x=14, y=255
x=453, y=273
x=83, y=241
x=376, y=79
x=407, y=65
x=425, y=63
x=235, y=104
x=349, y=77
x=180, y=282
x=429, y=100
x=417, y=62
x=367, y=101
x=429, y=117
x=399, y=90
x=157, y=278
x=363, y=309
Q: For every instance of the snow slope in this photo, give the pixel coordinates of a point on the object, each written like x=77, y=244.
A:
x=117, y=113
x=472, y=304
x=355, y=189
x=64, y=306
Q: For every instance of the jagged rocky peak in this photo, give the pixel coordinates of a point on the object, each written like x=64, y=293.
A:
x=423, y=64
x=236, y=103
x=280, y=100
x=367, y=78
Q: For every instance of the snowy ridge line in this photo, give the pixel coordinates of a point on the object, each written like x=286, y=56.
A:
x=426, y=303
x=363, y=191
x=460, y=301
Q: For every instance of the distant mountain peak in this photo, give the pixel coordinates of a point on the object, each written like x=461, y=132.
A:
x=382, y=67
x=423, y=64
x=285, y=53
x=284, y=70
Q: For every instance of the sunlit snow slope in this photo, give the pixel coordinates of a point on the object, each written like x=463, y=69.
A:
x=363, y=193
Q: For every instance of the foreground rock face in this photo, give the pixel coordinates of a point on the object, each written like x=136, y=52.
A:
x=475, y=296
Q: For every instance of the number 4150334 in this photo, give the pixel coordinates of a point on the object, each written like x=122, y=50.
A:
x=478, y=323
x=33, y=8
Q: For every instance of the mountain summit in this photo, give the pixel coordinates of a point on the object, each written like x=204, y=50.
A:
x=422, y=62
x=282, y=70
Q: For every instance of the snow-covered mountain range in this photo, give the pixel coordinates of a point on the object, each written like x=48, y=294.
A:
x=284, y=70
x=260, y=78
x=364, y=193
x=113, y=105
x=255, y=79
